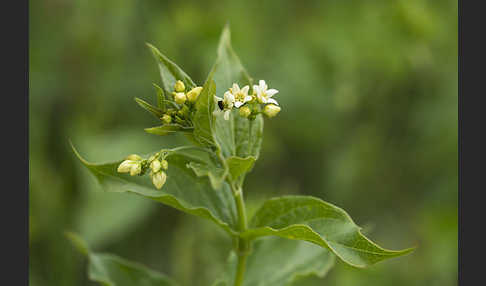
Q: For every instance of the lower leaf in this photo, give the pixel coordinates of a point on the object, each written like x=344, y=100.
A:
x=311, y=219
x=111, y=270
x=183, y=190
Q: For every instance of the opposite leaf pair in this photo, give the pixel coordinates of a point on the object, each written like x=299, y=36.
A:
x=206, y=180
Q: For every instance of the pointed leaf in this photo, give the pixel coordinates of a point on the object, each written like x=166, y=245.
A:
x=311, y=219
x=168, y=129
x=237, y=136
x=183, y=190
x=170, y=72
x=160, y=97
x=276, y=261
x=203, y=118
x=111, y=270
x=150, y=108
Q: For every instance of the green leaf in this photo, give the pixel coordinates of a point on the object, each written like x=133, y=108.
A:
x=111, y=270
x=237, y=136
x=311, y=219
x=168, y=129
x=170, y=72
x=238, y=166
x=150, y=108
x=183, y=190
x=160, y=97
x=216, y=174
x=275, y=261
x=203, y=117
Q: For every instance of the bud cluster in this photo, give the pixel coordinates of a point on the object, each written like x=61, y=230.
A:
x=137, y=166
x=184, y=101
x=249, y=105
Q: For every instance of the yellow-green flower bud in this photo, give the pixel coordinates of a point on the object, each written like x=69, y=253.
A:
x=133, y=157
x=158, y=179
x=135, y=169
x=180, y=98
x=245, y=111
x=194, y=93
x=165, y=164
x=125, y=166
x=155, y=166
x=179, y=86
x=166, y=118
x=271, y=110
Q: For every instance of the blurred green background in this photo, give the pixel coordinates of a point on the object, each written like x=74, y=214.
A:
x=369, y=123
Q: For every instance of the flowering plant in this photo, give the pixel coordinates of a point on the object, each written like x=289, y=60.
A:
x=225, y=123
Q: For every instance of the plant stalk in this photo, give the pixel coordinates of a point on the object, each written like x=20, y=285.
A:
x=242, y=248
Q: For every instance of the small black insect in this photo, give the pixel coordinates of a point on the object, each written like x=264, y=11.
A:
x=220, y=104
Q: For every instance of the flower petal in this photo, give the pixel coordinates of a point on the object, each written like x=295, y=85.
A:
x=235, y=89
x=262, y=84
x=256, y=89
x=245, y=89
x=247, y=98
x=238, y=104
x=271, y=92
x=271, y=100
x=226, y=115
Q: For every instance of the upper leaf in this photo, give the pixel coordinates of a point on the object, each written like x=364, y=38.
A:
x=203, y=117
x=157, y=112
x=184, y=190
x=111, y=270
x=160, y=97
x=170, y=72
x=275, y=261
x=311, y=219
x=168, y=129
x=237, y=136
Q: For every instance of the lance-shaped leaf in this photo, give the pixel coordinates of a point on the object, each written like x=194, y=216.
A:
x=276, y=261
x=160, y=97
x=170, y=72
x=311, y=219
x=203, y=117
x=168, y=129
x=155, y=111
x=237, y=136
x=183, y=190
x=111, y=270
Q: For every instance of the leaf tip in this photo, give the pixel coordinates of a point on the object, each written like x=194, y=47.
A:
x=86, y=163
x=79, y=243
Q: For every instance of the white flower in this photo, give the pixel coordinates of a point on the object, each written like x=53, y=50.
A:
x=240, y=95
x=263, y=94
x=228, y=103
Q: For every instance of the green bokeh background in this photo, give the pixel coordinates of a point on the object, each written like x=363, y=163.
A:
x=368, y=91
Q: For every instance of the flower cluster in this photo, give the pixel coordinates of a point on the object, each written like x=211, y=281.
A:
x=136, y=165
x=183, y=105
x=249, y=105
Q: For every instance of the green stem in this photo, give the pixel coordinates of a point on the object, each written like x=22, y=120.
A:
x=243, y=244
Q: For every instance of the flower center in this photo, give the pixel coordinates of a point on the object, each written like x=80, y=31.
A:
x=240, y=97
